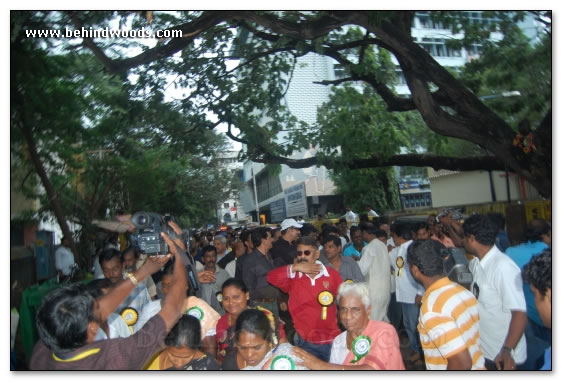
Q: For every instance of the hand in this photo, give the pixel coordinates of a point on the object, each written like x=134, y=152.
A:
x=154, y=264
x=310, y=269
x=309, y=361
x=504, y=360
x=206, y=277
x=178, y=231
x=418, y=299
x=127, y=220
x=174, y=249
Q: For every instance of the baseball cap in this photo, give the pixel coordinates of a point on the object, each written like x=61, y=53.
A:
x=287, y=223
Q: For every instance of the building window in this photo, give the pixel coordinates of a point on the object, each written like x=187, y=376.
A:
x=226, y=205
x=339, y=71
x=437, y=47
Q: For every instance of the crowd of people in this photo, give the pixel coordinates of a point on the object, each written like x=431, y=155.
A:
x=296, y=297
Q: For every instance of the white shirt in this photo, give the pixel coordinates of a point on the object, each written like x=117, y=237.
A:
x=372, y=213
x=392, y=258
x=406, y=288
x=500, y=292
x=375, y=267
x=64, y=260
x=351, y=217
x=231, y=267
x=117, y=328
x=339, y=351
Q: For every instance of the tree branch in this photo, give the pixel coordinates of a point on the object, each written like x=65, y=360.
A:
x=416, y=160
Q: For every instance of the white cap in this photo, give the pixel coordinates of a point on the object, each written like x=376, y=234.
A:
x=287, y=223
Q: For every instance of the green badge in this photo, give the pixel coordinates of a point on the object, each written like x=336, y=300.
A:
x=361, y=347
x=196, y=312
x=282, y=362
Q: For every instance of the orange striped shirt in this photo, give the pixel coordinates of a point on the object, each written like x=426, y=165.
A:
x=448, y=324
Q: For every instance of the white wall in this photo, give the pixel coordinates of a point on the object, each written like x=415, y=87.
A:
x=471, y=188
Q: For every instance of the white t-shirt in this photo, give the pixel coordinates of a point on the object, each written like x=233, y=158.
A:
x=500, y=292
x=64, y=260
x=406, y=288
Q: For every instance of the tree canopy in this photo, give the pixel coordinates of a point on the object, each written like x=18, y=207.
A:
x=234, y=67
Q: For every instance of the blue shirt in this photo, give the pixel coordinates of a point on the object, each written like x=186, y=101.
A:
x=522, y=254
x=350, y=250
x=547, y=359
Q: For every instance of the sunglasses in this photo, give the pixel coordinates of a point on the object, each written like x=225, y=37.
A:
x=305, y=252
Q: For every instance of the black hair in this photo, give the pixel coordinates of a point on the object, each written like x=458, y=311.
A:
x=63, y=316
x=95, y=287
x=169, y=267
x=244, y=235
x=342, y=220
x=498, y=219
x=538, y=272
x=482, y=227
x=307, y=229
x=108, y=254
x=369, y=228
x=335, y=240
x=329, y=230
x=258, y=234
x=239, y=284
x=127, y=250
x=186, y=333
x=427, y=256
x=422, y=225
x=535, y=229
x=353, y=230
x=208, y=248
x=308, y=240
x=256, y=322
x=403, y=230
x=380, y=233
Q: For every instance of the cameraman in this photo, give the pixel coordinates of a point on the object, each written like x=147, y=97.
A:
x=497, y=285
x=68, y=320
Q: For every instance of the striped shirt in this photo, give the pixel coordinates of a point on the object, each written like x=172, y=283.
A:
x=448, y=324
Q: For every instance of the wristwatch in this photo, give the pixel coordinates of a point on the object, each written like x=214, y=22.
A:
x=509, y=350
x=132, y=277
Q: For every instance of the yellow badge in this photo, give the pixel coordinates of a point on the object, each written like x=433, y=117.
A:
x=130, y=316
x=400, y=264
x=326, y=299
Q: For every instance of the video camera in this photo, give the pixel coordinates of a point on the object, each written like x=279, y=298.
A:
x=147, y=237
x=456, y=266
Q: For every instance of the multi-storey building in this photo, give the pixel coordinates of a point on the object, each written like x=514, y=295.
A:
x=304, y=97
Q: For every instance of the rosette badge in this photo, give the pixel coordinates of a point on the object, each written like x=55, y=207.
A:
x=326, y=299
x=196, y=312
x=400, y=264
x=130, y=316
x=282, y=362
x=360, y=347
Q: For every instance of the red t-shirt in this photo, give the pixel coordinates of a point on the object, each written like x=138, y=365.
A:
x=304, y=306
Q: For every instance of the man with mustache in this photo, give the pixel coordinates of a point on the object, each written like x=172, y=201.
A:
x=312, y=289
x=211, y=279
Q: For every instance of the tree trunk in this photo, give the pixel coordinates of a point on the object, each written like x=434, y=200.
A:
x=49, y=189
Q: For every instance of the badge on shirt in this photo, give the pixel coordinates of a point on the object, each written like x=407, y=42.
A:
x=360, y=347
x=130, y=316
x=400, y=264
x=282, y=362
x=325, y=298
x=195, y=311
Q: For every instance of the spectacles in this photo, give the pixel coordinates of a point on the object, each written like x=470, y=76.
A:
x=305, y=252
